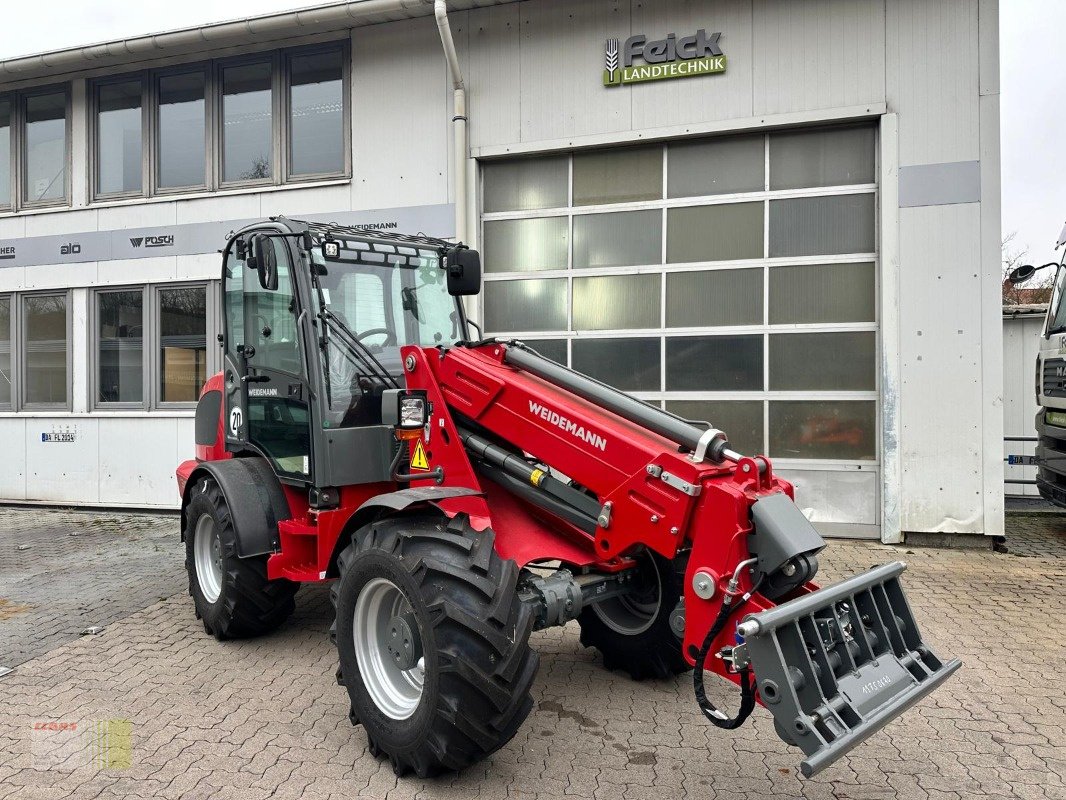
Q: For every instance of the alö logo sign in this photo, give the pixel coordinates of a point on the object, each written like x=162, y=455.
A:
x=671, y=57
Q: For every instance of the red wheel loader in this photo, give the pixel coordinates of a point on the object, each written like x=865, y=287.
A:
x=462, y=492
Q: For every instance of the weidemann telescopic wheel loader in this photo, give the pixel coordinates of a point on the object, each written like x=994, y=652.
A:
x=462, y=494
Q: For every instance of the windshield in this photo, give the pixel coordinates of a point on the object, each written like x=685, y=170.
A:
x=385, y=307
x=1057, y=314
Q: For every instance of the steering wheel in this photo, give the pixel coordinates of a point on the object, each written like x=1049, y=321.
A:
x=373, y=332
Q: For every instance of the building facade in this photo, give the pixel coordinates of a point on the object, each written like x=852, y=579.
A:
x=782, y=217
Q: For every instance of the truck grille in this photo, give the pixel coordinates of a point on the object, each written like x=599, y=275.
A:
x=1054, y=377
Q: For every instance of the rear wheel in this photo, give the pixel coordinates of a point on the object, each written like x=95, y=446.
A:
x=433, y=642
x=632, y=631
x=232, y=595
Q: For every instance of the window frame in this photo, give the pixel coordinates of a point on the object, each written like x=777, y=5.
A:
x=18, y=350
x=219, y=66
x=13, y=150
x=280, y=61
x=95, y=403
x=12, y=367
x=93, y=102
x=154, y=151
x=18, y=197
x=285, y=117
x=212, y=328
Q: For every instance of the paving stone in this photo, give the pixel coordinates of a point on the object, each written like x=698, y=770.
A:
x=264, y=718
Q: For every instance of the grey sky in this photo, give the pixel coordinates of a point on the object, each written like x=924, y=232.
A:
x=1032, y=63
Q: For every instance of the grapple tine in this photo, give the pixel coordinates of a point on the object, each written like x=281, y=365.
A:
x=837, y=665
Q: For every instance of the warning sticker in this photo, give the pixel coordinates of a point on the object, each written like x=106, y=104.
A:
x=418, y=458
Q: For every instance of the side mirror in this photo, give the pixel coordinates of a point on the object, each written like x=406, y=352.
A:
x=463, y=266
x=1021, y=274
x=265, y=261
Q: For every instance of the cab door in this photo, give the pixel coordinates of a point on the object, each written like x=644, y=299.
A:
x=267, y=400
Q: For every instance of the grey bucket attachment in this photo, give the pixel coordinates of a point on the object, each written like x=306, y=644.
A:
x=837, y=665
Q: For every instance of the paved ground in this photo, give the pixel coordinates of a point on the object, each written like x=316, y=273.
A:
x=264, y=719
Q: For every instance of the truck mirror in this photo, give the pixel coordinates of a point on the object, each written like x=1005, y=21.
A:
x=463, y=266
x=1021, y=274
x=266, y=261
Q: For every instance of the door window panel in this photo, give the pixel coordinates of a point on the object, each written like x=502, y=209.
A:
x=247, y=122
x=714, y=363
x=823, y=429
x=616, y=302
x=718, y=297
x=533, y=305
x=45, y=146
x=822, y=158
x=618, y=176
x=842, y=362
x=182, y=126
x=118, y=137
x=813, y=226
x=740, y=419
x=120, y=347
x=822, y=293
x=525, y=245
x=633, y=365
x=714, y=233
x=44, y=350
x=316, y=105
x=716, y=166
x=625, y=239
x=182, y=343
x=526, y=184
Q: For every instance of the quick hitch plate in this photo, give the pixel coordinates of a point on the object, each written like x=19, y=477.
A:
x=837, y=665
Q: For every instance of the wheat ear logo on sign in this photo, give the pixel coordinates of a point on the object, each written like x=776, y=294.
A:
x=611, y=63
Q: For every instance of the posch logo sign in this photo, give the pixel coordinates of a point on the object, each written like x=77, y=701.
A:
x=166, y=240
x=671, y=57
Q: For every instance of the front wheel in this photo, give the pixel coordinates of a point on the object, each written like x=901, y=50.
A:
x=632, y=631
x=232, y=595
x=433, y=642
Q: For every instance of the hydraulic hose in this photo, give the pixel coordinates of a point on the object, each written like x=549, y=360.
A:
x=747, y=682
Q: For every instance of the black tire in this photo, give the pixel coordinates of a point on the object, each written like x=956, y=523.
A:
x=248, y=604
x=474, y=632
x=633, y=632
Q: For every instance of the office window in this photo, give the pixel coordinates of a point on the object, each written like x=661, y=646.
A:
x=44, y=135
x=182, y=344
x=247, y=122
x=5, y=152
x=6, y=382
x=44, y=350
x=182, y=152
x=316, y=113
x=118, y=138
x=120, y=347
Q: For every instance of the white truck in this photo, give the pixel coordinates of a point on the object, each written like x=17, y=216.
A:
x=1051, y=383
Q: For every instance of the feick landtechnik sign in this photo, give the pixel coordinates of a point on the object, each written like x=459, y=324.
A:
x=671, y=57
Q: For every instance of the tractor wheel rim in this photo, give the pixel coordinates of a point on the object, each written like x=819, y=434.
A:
x=207, y=554
x=395, y=691
x=631, y=615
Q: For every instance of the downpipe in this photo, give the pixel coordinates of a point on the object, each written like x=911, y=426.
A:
x=460, y=134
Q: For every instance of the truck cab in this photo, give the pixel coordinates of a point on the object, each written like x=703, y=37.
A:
x=1051, y=393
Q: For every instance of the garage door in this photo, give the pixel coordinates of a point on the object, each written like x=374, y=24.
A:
x=731, y=279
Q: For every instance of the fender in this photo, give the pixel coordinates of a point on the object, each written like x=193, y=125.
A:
x=255, y=498
x=392, y=503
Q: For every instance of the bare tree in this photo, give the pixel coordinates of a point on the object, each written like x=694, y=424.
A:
x=1034, y=291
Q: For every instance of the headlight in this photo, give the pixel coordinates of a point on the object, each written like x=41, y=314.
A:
x=412, y=411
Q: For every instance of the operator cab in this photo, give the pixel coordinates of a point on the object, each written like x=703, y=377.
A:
x=314, y=318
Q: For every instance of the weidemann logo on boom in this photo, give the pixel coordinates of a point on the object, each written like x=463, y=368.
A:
x=568, y=425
